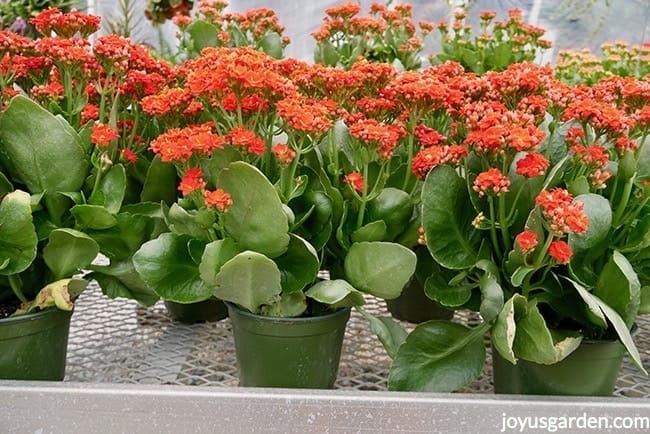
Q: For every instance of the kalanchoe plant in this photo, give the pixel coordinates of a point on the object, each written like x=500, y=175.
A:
x=159, y=11
x=499, y=44
x=90, y=92
x=387, y=35
x=539, y=226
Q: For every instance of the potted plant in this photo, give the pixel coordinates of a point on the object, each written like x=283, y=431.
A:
x=540, y=229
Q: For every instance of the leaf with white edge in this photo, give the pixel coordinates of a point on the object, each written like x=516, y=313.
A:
x=68, y=251
x=534, y=341
x=618, y=285
x=438, y=356
x=491, y=297
x=517, y=278
x=615, y=319
x=379, y=268
x=389, y=332
x=336, y=292
x=594, y=311
x=250, y=280
x=504, y=329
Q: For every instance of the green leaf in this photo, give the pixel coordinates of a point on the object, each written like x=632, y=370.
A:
x=447, y=215
x=112, y=188
x=68, y=251
x=504, y=329
x=599, y=213
x=195, y=223
x=93, y=217
x=379, y=268
x=166, y=266
x=619, y=287
x=119, y=279
x=644, y=306
x=256, y=220
x=214, y=256
x=18, y=237
x=203, y=35
x=328, y=54
x=218, y=161
x=394, y=207
x=160, y=183
x=250, y=280
x=534, y=341
x=338, y=293
x=42, y=150
x=375, y=231
x=520, y=274
x=59, y=294
x=5, y=185
x=389, y=332
x=271, y=44
x=287, y=306
x=615, y=319
x=438, y=288
x=491, y=297
x=122, y=240
x=298, y=266
x=438, y=356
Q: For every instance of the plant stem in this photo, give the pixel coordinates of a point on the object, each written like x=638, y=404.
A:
x=620, y=209
x=503, y=223
x=542, y=254
x=493, y=230
x=364, y=198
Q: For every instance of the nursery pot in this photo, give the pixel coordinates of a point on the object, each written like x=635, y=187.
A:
x=209, y=310
x=591, y=370
x=414, y=306
x=33, y=346
x=288, y=352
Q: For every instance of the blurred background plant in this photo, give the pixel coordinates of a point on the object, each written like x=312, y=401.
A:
x=15, y=14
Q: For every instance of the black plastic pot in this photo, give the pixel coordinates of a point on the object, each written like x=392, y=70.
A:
x=591, y=370
x=415, y=307
x=209, y=310
x=288, y=352
x=34, y=346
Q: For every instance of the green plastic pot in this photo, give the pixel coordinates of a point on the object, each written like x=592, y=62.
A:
x=591, y=370
x=288, y=352
x=209, y=310
x=34, y=346
x=415, y=307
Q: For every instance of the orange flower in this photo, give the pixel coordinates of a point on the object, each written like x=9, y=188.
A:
x=129, y=156
x=244, y=138
x=284, y=153
x=102, y=135
x=532, y=165
x=491, y=181
x=355, y=179
x=218, y=199
x=563, y=213
x=191, y=181
x=560, y=251
x=527, y=241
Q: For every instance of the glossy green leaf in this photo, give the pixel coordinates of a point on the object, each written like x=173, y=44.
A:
x=390, y=333
x=68, y=251
x=599, y=213
x=166, y=266
x=5, y=185
x=504, y=329
x=122, y=240
x=204, y=34
x=392, y=206
x=271, y=44
x=214, y=256
x=250, y=280
x=615, y=319
x=619, y=287
x=375, y=231
x=256, y=220
x=438, y=356
x=336, y=292
x=18, y=237
x=644, y=306
x=379, y=268
x=160, y=183
x=42, y=150
x=120, y=280
x=298, y=266
x=535, y=342
x=93, y=217
x=112, y=188
x=447, y=214
x=438, y=288
x=195, y=223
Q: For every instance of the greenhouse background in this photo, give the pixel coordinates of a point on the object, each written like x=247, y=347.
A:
x=568, y=24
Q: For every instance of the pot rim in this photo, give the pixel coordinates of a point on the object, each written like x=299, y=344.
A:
x=240, y=311
x=34, y=315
